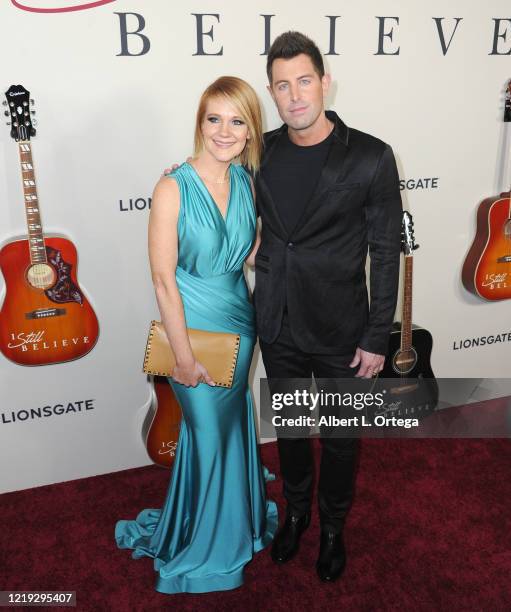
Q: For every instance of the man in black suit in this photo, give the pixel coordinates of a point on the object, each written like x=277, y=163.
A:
x=326, y=194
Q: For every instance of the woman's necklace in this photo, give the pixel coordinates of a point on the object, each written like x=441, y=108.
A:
x=205, y=178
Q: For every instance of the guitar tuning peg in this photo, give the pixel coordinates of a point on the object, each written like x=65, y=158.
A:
x=32, y=132
x=7, y=123
x=32, y=101
x=416, y=246
x=32, y=112
x=4, y=102
x=6, y=113
x=34, y=122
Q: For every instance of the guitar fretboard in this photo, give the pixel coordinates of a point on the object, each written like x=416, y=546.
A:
x=406, y=320
x=34, y=226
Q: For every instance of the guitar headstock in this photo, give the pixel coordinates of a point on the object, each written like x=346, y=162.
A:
x=19, y=111
x=407, y=236
x=507, y=103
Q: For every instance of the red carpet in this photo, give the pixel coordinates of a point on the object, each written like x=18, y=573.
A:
x=430, y=529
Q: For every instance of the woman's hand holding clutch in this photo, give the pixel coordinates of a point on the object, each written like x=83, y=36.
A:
x=191, y=375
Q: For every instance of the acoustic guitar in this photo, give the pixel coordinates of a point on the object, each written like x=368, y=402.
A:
x=407, y=376
x=487, y=268
x=161, y=427
x=45, y=317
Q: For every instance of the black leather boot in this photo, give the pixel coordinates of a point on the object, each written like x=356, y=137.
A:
x=287, y=539
x=332, y=556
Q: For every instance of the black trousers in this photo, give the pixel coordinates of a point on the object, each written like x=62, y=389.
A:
x=283, y=359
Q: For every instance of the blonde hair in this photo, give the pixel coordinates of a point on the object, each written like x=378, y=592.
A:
x=241, y=95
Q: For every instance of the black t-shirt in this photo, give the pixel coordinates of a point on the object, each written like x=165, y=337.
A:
x=292, y=175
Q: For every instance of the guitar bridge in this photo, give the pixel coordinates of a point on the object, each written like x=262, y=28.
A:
x=505, y=259
x=43, y=313
x=404, y=389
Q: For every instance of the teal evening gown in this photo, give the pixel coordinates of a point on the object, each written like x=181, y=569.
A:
x=215, y=515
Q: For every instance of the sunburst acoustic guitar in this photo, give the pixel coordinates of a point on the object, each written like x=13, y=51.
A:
x=160, y=431
x=487, y=268
x=45, y=317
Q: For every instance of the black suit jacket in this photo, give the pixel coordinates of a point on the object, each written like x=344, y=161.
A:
x=320, y=266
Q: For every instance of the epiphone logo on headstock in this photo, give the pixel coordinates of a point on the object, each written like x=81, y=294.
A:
x=67, y=5
x=16, y=93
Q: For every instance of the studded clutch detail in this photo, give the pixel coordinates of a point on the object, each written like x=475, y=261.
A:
x=216, y=351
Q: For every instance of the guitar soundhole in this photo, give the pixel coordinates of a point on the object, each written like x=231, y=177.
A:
x=41, y=276
x=404, y=361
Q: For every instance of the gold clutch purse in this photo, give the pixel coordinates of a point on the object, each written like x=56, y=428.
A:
x=217, y=351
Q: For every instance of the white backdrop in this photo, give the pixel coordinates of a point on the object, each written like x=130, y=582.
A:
x=109, y=123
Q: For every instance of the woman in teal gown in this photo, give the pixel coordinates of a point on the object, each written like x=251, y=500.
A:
x=215, y=515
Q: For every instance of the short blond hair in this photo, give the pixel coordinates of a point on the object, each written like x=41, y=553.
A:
x=243, y=97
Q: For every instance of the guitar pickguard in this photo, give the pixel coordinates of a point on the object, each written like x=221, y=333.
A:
x=64, y=290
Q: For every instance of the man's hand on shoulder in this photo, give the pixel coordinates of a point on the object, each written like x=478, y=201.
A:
x=370, y=363
x=174, y=167
x=169, y=170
